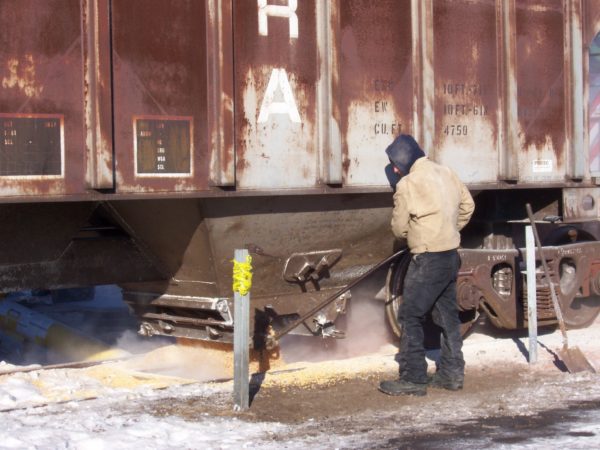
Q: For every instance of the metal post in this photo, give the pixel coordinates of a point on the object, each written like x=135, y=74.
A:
x=531, y=294
x=241, y=344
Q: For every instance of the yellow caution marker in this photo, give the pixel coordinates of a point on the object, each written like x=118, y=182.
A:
x=242, y=275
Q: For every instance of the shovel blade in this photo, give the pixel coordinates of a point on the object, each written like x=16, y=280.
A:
x=574, y=360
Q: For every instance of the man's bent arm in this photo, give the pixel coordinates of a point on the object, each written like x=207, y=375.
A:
x=466, y=207
x=400, y=216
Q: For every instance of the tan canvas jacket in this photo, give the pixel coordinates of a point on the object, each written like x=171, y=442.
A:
x=431, y=206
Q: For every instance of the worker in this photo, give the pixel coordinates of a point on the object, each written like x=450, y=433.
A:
x=431, y=206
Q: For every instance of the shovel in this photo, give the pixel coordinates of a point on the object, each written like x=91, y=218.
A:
x=573, y=358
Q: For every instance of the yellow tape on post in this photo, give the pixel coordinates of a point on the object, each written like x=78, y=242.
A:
x=242, y=282
x=242, y=276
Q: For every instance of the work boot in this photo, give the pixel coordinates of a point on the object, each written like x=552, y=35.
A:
x=440, y=382
x=401, y=387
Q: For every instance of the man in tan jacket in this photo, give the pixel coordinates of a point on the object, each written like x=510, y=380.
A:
x=431, y=206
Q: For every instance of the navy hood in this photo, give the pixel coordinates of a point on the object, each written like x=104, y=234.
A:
x=403, y=152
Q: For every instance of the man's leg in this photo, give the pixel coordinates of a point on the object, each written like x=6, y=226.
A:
x=424, y=282
x=430, y=278
x=450, y=373
x=411, y=357
x=416, y=302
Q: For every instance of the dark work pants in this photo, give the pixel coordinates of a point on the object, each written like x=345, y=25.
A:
x=430, y=287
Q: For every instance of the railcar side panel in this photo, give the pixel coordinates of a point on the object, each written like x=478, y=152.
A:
x=466, y=68
x=41, y=101
x=541, y=90
x=376, y=78
x=160, y=91
x=276, y=74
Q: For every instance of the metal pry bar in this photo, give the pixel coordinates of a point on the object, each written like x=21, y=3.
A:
x=273, y=339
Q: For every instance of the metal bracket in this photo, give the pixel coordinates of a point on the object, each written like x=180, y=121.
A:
x=310, y=266
x=326, y=328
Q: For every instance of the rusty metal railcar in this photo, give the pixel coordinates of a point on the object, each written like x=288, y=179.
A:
x=143, y=141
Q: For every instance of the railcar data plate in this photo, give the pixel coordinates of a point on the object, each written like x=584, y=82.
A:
x=162, y=146
x=31, y=145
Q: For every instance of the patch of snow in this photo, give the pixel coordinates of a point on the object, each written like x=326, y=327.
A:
x=16, y=392
x=102, y=424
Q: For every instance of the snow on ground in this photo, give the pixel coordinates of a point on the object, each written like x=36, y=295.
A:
x=101, y=424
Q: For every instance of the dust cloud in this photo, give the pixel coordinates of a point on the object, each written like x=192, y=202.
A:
x=365, y=326
x=366, y=332
x=195, y=360
x=134, y=343
x=106, y=319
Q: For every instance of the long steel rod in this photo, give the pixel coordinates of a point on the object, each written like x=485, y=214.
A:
x=285, y=330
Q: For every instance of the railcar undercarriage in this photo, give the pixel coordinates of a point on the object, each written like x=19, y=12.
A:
x=173, y=260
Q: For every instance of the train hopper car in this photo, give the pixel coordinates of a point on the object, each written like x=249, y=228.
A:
x=144, y=140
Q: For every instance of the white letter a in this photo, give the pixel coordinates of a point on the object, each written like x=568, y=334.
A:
x=279, y=80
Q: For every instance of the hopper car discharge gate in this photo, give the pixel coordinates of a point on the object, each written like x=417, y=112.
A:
x=142, y=141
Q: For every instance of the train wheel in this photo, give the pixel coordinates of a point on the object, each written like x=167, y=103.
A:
x=395, y=283
x=581, y=311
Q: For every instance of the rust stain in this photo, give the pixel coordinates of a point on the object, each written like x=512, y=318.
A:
x=22, y=76
x=41, y=74
x=540, y=75
x=466, y=90
x=159, y=69
x=228, y=158
x=242, y=163
x=375, y=84
x=22, y=187
x=346, y=164
x=275, y=98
